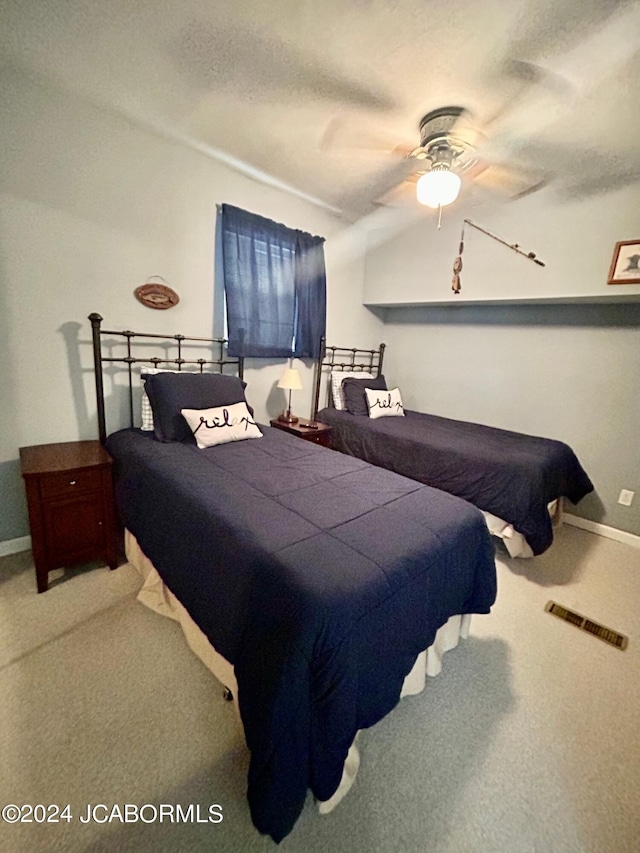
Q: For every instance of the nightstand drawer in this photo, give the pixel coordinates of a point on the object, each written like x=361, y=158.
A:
x=320, y=438
x=68, y=483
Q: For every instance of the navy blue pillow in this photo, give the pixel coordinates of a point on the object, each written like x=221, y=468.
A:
x=170, y=392
x=355, y=400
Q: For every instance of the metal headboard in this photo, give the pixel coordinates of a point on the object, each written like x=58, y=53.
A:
x=349, y=359
x=136, y=338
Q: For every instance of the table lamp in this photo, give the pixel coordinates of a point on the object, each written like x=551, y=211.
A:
x=289, y=381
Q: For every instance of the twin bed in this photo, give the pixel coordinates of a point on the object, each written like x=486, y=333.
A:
x=318, y=577
x=310, y=582
x=518, y=481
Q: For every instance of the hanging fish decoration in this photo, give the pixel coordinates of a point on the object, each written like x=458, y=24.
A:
x=457, y=266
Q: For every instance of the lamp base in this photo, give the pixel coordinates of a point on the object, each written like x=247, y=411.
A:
x=288, y=418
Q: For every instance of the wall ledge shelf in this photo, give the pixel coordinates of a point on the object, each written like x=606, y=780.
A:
x=458, y=302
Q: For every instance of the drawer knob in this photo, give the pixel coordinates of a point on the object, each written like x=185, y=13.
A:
x=72, y=482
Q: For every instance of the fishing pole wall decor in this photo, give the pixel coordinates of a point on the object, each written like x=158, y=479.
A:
x=457, y=264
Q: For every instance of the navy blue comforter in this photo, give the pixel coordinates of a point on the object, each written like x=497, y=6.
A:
x=318, y=576
x=509, y=474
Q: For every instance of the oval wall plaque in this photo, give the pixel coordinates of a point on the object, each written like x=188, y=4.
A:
x=156, y=295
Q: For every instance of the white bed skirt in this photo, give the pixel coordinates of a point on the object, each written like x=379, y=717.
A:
x=515, y=543
x=155, y=595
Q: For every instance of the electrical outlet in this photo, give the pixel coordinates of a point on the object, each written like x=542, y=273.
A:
x=626, y=497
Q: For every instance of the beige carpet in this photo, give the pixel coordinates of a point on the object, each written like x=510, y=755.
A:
x=529, y=740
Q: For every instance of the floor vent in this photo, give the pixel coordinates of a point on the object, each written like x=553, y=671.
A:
x=606, y=634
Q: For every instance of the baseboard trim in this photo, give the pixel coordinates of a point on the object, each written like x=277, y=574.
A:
x=602, y=529
x=14, y=546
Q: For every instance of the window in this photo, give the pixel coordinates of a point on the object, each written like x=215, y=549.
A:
x=275, y=286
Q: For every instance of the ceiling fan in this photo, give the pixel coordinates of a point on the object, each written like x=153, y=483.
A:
x=543, y=129
x=452, y=149
x=449, y=148
x=445, y=154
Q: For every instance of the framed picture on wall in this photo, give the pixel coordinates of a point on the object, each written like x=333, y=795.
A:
x=625, y=264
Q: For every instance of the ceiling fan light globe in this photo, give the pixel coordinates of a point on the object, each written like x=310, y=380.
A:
x=438, y=188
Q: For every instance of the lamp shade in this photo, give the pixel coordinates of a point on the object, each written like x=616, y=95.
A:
x=290, y=380
x=438, y=187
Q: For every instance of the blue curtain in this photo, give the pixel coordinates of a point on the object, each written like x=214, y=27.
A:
x=275, y=287
x=311, y=295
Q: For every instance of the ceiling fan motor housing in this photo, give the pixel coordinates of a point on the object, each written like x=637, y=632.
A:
x=438, y=124
x=439, y=142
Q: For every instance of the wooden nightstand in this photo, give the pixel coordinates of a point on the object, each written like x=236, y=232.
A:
x=71, y=507
x=321, y=435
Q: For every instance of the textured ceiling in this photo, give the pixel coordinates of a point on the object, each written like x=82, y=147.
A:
x=318, y=95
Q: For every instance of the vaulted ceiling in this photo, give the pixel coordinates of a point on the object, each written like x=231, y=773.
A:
x=320, y=95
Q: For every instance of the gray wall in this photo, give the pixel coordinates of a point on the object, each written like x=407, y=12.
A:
x=565, y=371
x=575, y=238
x=91, y=206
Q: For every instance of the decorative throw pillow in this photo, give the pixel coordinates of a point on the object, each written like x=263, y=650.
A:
x=146, y=413
x=384, y=404
x=337, y=378
x=354, y=397
x=169, y=393
x=221, y=424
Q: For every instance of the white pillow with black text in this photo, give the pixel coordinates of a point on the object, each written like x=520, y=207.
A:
x=384, y=404
x=221, y=424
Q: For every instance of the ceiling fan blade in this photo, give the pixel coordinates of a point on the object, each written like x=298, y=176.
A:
x=552, y=79
x=402, y=195
x=589, y=171
x=344, y=134
x=536, y=89
x=245, y=60
x=581, y=187
x=509, y=181
x=374, y=192
x=582, y=49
